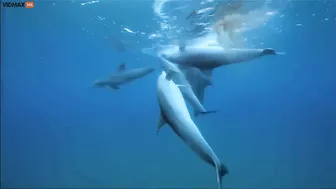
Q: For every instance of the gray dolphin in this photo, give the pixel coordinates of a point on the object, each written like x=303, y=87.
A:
x=188, y=93
x=209, y=57
x=174, y=112
x=123, y=76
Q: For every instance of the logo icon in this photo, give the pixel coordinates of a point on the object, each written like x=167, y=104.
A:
x=29, y=4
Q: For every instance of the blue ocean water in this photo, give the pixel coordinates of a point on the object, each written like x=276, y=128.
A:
x=275, y=126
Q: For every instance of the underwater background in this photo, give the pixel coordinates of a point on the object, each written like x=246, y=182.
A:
x=276, y=120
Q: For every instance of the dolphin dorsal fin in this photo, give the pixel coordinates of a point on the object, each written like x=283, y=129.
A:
x=161, y=123
x=122, y=67
x=207, y=75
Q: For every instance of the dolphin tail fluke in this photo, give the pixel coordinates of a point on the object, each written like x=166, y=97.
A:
x=221, y=171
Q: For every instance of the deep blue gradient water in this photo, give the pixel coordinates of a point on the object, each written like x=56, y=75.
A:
x=275, y=126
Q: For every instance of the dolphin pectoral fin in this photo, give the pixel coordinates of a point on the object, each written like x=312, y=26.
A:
x=207, y=72
x=199, y=90
x=199, y=80
x=207, y=75
x=161, y=123
x=207, y=79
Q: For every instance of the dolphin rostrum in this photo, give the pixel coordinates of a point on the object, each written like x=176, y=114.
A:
x=123, y=76
x=188, y=93
x=174, y=112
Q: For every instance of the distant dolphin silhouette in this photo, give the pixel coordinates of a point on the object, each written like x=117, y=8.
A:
x=123, y=76
x=174, y=112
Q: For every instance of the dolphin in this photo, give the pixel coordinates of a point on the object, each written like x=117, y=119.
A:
x=123, y=76
x=188, y=93
x=174, y=112
x=208, y=58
